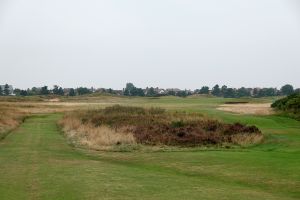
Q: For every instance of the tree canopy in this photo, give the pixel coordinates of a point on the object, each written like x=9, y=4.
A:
x=287, y=89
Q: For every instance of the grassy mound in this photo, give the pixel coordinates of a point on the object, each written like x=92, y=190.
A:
x=154, y=126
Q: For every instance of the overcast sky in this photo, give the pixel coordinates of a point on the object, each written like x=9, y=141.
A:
x=165, y=43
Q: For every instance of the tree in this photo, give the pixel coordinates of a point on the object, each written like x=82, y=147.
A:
x=182, y=93
x=131, y=90
x=216, y=90
x=151, y=92
x=58, y=90
x=44, y=90
x=223, y=90
x=23, y=93
x=255, y=92
x=171, y=93
x=72, y=92
x=61, y=91
x=6, y=90
x=287, y=89
x=17, y=92
x=266, y=92
x=83, y=91
x=204, y=90
x=34, y=91
x=1, y=91
x=243, y=92
x=229, y=93
x=55, y=89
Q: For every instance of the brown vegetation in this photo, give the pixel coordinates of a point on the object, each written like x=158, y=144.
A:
x=101, y=137
x=126, y=125
x=10, y=118
x=13, y=113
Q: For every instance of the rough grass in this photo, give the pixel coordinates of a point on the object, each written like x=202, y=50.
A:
x=13, y=110
x=37, y=163
x=127, y=125
x=98, y=138
x=10, y=118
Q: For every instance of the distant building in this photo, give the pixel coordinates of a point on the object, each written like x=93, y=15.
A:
x=11, y=89
x=173, y=89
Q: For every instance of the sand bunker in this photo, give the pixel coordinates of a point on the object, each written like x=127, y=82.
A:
x=54, y=100
x=248, y=108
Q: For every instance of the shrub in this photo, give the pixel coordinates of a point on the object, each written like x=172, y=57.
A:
x=290, y=105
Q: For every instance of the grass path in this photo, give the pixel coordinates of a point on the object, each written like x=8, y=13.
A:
x=37, y=163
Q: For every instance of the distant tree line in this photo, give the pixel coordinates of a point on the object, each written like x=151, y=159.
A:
x=57, y=90
x=131, y=90
x=226, y=92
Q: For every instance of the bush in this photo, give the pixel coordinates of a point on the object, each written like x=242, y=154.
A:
x=289, y=105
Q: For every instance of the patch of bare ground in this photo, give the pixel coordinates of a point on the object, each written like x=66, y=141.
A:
x=54, y=100
x=248, y=108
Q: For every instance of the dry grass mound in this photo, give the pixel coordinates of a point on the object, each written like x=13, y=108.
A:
x=128, y=125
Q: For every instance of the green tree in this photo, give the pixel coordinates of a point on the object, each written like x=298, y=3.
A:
x=243, y=92
x=1, y=91
x=287, y=89
x=72, y=92
x=83, y=91
x=61, y=91
x=23, y=93
x=17, y=92
x=151, y=92
x=204, y=90
x=55, y=89
x=255, y=92
x=6, y=90
x=216, y=90
x=182, y=93
x=58, y=90
x=223, y=90
x=44, y=90
x=229, y=93
x=171, y=93
x=34, y=91
x=131, y=90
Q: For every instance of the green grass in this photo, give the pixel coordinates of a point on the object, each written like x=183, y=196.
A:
x=37, y=163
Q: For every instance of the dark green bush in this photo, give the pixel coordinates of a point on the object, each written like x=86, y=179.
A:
x=290, y=105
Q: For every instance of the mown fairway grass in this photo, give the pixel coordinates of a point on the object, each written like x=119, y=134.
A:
x=36, y=162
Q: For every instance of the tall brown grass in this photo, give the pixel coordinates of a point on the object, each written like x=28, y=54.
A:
x=10, y=118
x=101, y=137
